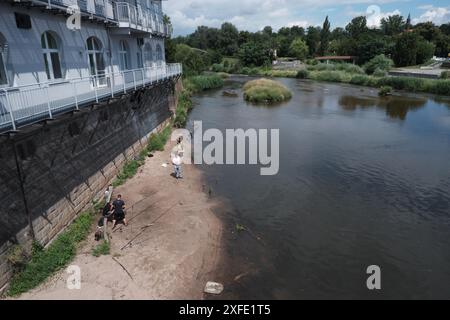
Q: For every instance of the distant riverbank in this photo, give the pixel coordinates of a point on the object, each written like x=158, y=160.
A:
x=333, y=74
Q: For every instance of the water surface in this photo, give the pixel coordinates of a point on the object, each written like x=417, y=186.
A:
x=363, y=180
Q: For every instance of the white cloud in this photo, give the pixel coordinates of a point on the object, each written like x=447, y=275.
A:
x=375, y=15
x=253, y=15
x=437, y=15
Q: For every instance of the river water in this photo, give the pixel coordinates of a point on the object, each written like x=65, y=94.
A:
x=362, y=181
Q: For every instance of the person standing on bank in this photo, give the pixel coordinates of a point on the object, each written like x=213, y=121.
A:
x=177, y=158
x=119, y=211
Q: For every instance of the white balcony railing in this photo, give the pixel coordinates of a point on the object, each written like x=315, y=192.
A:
x=28, y=104
x=141, y=19
x=144, y=19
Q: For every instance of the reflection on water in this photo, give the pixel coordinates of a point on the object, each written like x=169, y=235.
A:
x=353, y=190
x=396, y=107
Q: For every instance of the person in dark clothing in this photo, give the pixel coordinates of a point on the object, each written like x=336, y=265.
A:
x=119, y=211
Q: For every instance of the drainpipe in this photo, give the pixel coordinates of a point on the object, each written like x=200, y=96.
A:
x=22, y=190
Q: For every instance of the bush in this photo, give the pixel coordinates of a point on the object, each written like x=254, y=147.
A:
x=332, y=76
x=445, y=75
x=265, y=90
x=218, y=67
x=379, y=73
x=349, y=68
x=102, y=249
x=302, y=74
x=250, y=71
x=384, y=91
x=359, y=79
x=18, y=258
x=380, y=63
x=204, y=82
x=439, y=87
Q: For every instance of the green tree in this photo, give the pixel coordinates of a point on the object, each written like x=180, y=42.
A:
x=393, y=25
x=193, y=60
x=313, y=40
x=324, y=37
x=411, y=49
x=298, y=49
x=425, y=51
x=254, y=54
x=228, y=39
x=357, y=27
x=371, y=44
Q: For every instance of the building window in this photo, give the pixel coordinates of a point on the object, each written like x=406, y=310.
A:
x=148, y=55
x=159, y=55
x=3, y=51
x=96, y=62
x=51, y=56
x=140, y=53
x=124, y=56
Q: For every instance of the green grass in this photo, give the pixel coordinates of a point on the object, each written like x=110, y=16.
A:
x=384, y=91
x=156, y=142
x=103, y=249
x=265, y=90
x=191, y=86
x=45, y=262
x=197, y=84
x=349, y=73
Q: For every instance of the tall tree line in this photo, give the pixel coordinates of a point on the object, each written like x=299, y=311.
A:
x=397, y=38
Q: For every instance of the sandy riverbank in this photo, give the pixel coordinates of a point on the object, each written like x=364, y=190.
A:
x=176, y=251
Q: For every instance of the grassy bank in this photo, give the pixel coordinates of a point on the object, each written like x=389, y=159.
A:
x=265, y=90
x=191, y=86
x=356, y=76
x=45, y=262
x=156, y=142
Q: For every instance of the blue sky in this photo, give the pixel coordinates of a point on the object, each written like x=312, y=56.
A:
x=253, y=15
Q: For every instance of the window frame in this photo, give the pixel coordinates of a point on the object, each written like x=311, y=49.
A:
x=99, y=79
x=3, y=59
x=124, y=56
x=49, y=55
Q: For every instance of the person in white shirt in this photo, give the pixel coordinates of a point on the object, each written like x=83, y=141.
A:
x=176, y=161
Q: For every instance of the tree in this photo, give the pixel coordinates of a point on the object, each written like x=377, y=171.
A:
x=393, y=25
x=411, y=49
x=425, y=51
x=298, y=49
x=371, y=44
x=254, y=54
x=357, y=27
x=324, y=37
x=268, y=30
x=192, y=60
x=313, y=40
x=228, y=39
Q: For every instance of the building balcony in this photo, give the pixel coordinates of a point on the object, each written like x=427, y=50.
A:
x=139, y=19
x=93, y=9
x=118, y=13
x=24, y=105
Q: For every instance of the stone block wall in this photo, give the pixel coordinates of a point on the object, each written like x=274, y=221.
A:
x=65, y=163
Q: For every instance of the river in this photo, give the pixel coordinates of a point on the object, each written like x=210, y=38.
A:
x=362, y=181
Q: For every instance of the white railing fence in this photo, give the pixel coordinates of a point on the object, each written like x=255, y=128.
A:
x=28, y=104
x=120, y=11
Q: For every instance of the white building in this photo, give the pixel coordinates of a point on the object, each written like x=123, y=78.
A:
x=60, y=55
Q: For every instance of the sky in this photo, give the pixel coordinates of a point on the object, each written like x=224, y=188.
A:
x=254, y=15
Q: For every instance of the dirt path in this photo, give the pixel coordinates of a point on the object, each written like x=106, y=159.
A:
x=176, y=250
